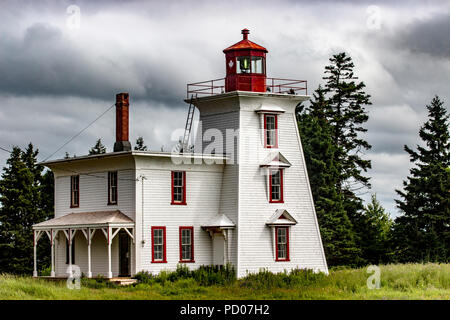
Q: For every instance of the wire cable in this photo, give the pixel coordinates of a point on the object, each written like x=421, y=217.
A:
x=71, y=139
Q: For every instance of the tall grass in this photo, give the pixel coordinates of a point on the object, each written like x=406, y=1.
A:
x=400, y=281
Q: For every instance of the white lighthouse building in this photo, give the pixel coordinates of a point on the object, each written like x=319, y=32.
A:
x=240, y=197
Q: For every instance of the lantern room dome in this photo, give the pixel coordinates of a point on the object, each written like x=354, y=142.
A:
x=245, y=44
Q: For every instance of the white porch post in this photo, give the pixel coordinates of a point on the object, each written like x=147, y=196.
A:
x=70, y=252
x=35, y=274
x=52, y=248
x=109, y=253
x=89, y=253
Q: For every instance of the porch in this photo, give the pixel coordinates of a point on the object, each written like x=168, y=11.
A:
x=98, y=231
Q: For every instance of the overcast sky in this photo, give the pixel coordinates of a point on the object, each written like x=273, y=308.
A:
x=58, y=72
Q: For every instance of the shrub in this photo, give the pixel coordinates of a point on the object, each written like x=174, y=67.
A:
x=204, y=275
x=144, y=277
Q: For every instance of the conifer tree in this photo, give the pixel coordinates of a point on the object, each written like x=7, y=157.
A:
x=346, y=114
x=98, y=148
x=423, y=231
x=140, y=145
x=21, y=206
x=375, y=231
x=319, y=149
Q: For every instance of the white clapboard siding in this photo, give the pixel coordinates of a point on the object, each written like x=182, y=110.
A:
x=256, y=249
x=203, y=189
x=94, y=193
x=223, y=121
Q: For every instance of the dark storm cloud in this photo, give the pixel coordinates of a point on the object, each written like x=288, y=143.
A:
x=430, y=36
x=43, y=61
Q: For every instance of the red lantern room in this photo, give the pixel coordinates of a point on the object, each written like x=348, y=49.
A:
x=246, y=66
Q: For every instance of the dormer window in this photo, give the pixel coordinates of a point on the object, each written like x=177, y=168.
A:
x=270, y=131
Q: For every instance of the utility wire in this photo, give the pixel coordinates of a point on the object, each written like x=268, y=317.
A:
x=5, y=150
x=104, y=112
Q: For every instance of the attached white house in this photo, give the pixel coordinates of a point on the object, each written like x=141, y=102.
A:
x=242, y=196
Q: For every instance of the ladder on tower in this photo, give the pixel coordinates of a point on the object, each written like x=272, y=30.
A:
x=188, y=126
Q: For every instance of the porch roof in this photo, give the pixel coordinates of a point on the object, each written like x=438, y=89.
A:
x=220, y=221
x=95, y=219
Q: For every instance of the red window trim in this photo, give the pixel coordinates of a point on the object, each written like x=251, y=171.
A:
x=287, y=244
x=109, y=188
x=164, y=260
x=281, y=186
x=265, y=130
x=71, y=192
x=184, y=189
x=192, y=245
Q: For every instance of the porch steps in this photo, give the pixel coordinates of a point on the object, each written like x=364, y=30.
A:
x=123, y=281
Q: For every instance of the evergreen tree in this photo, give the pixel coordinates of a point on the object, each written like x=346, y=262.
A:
x=319, y=149
x=423, y=231
x=375, y=231
x=346, y=114
x=98, y=148
x=140, y=144
x=21, y=207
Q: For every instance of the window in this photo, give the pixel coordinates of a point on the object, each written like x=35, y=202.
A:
x=282, y=243
x=67, y=251
x=271, y=131
x=243, y=65
x=159, y=244
x=74, y=191
x=186, y=244
x=257, y=65
x=276, y=185
x=112, y=187
x=178, y=187
x=250, y=65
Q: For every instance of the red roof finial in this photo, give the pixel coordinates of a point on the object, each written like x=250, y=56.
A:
x=245, y=33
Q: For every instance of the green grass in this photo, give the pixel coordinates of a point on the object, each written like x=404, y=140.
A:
x=400, y=281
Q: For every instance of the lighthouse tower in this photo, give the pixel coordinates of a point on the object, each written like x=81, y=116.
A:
x=265, y=187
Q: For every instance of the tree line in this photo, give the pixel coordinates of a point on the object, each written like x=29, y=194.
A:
x=332, y=128
x=332, y=131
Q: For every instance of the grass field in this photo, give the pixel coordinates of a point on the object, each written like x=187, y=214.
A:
x=400, y=281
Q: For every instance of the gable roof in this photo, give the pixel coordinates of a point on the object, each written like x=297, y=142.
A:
x=275, y=159
x=281, y=217
x=80, y=219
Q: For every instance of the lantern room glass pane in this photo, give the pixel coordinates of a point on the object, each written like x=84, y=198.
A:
x=243, y=65
x=257, y=65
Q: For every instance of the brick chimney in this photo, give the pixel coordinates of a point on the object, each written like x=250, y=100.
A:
x=122, y=106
